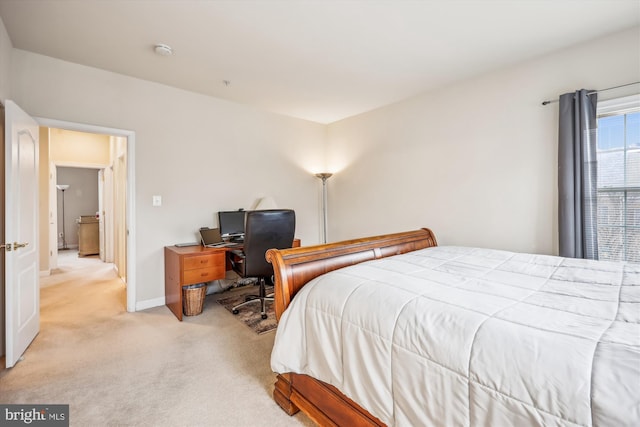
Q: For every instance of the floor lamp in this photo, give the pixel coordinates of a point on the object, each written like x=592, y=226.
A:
x=63, y=188
x=324, y=177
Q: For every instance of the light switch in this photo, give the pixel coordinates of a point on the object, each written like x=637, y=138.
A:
x=157, y=200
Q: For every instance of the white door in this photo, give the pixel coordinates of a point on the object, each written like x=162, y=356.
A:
x=22, y=302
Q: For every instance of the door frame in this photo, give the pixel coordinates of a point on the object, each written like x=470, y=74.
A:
x=53, y=199
x=130, y=273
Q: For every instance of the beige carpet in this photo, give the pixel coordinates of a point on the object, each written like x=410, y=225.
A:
x=141, y=369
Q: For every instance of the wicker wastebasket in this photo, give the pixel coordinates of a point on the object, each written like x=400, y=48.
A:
x=193, y=298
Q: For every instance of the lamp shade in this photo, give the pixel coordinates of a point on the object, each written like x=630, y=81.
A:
x=324, y=175
x=62, y=187
x=266, y=203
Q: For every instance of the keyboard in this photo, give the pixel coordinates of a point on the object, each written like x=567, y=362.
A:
x=219, y=245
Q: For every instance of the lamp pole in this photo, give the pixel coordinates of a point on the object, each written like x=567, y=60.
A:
x=324, y=176
x=63, y=188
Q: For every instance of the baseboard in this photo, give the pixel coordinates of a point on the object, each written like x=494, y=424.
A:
x=70, y=247
x=150, y=303
x=45, y=273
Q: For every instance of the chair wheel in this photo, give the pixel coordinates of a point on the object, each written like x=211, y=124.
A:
x=235, y=311
x=264, y=316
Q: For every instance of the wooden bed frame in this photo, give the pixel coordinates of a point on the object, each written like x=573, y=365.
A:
x=293, y=268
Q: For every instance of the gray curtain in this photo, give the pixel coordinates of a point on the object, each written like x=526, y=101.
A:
x=577, y=183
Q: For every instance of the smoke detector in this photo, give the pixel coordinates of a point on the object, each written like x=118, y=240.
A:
x=163, y=49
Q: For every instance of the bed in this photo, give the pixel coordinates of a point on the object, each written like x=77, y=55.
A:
x=396, y=330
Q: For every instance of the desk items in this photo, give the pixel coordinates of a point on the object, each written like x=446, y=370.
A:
x=193, y=263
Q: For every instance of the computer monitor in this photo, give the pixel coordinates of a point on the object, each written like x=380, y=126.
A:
x=231, y=223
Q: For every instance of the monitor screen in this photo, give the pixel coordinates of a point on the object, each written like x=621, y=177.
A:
x=231, y=223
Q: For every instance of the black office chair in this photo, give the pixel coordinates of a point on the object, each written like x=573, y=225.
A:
x=263, y=230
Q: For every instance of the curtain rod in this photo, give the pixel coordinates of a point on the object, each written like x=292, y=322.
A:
x=595, y=91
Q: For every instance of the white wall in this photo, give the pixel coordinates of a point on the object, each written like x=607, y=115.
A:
x=71, y=148
x=475, y=161
x=5, y=63
x=201, y=154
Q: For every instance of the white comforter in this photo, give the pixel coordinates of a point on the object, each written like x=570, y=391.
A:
x=452, y=336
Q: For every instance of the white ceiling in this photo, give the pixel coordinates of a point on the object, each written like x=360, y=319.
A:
x=317, y=60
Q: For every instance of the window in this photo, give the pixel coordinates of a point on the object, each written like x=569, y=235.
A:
x=618, y=153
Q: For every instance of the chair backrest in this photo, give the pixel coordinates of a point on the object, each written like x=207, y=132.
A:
x=263, y=230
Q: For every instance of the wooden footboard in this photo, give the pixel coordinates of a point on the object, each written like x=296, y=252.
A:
x=293, y=268
x=321, y=402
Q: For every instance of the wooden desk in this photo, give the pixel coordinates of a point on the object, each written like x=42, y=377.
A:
x=190, y=265
x=187, y=266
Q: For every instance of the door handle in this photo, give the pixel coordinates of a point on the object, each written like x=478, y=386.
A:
x=17, y=245
x=6, y=246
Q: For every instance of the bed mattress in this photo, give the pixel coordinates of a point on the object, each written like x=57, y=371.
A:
x=469, y=336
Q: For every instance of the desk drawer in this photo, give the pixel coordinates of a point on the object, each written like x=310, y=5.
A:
x=200, y=275
x=204, y=261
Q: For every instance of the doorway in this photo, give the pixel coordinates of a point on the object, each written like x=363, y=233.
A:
x=116, y=185
x=80, y=226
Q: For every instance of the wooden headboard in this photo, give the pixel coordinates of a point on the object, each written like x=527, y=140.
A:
x=294, y=267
